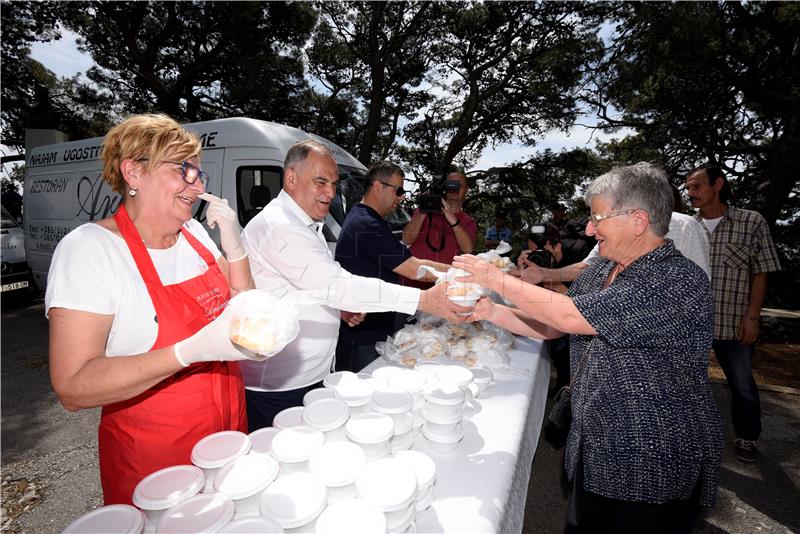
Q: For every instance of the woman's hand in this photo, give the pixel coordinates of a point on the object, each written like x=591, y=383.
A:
x=351, y=318
x=481, y=271
x=483, y=310
x=212, y=343
x=230, y=234
x=522, y=261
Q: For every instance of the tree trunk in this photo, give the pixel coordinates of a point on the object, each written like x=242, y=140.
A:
x=782, y=171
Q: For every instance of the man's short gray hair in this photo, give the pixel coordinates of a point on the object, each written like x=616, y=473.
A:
x=642, y=186
x=299, y=151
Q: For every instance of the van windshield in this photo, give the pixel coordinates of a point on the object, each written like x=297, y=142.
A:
x=350, y=191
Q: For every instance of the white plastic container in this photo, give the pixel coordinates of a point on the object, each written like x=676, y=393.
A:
x=165, y=488
x=337, y=464
x=460, y=376
x=396, y=404
x=294, y=446
x=445, y=400
x=364, y=376
x=424, y=468
x=328, y=416
x=482, y=378
x=289, y=418
x=390, y=484
x=402, y=442
x=356, y=393
x=243, y=480
x=422, y=502
x=410, y=381
x=317, y=394
x=261, y=439
x=216, y=450
x=201, y=513
x=112, y=519
x=372, y=431
x=294, y=501
x=381, y=375
x=443, y=443
x=339, y=377
x=352, y=516
x=252, y=525
x=400, y=520
x=429, y=369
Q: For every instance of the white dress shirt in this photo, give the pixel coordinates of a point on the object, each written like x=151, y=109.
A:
x=289, y=257
x=689, y=237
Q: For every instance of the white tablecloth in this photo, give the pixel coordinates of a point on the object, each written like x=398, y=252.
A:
x=482, y=486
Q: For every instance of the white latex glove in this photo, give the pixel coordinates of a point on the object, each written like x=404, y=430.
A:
x=211, y=343
x=230, y=234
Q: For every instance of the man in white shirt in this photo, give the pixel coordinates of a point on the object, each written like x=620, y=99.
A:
x=289, y=255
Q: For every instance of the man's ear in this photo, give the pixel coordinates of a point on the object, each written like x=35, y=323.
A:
x=290, y=179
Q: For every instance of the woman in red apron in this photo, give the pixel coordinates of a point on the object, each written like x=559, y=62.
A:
x=158, y=397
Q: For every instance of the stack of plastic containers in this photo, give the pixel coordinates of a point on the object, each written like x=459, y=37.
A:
x=372, y=431
x=294, y=501
x=261, y=439
x=165, y=488
x=329, y=417
x=397, y=405
x=337, y=465
x=288, y=418
x=244, y=479
x=425, y=469
x=353, y=516
x=443, y=414
x=201, y=513
x=391, y=485
x=112, y=519
x=216, y=450
x=412, y=382
x=294, y=446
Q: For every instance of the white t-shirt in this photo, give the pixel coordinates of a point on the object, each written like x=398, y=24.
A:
x=93, y=270
x=711, y=224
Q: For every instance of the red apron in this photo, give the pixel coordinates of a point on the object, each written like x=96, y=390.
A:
x=159, y=427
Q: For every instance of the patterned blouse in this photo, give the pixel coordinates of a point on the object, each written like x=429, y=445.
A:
x=645, y=426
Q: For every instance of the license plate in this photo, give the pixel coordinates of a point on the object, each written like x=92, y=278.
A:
x=15, y=285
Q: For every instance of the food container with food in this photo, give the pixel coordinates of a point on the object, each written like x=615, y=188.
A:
x=444, y=400
x=443, y=443
x=482, y=378
x=337, y=465
x=339, y=377
x=165, y=488
x=356, y=393
x=372, y=431
x=464, y=294
x=294, y=446
x=289, y=417
x=455, y=374
x=261, y=439
x=216, y=450
x=424, y=468
x=390, y=484
x=294, y=501
x=252, y=525
x=328, y=416
x=262, y=323
x=243, y=480
x=352, y=516
x=201, y=513
x=111, y=519
x=317, y=394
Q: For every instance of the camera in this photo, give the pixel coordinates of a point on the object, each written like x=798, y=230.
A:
x=431, y=200
x=542, y=258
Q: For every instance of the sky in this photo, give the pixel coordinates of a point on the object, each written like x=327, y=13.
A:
x=64, y=59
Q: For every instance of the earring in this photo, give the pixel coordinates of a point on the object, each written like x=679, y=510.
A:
x=132, y=192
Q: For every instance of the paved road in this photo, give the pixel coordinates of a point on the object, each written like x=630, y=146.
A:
x=49, y=455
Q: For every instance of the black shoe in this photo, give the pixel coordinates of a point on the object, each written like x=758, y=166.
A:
x=745, y=449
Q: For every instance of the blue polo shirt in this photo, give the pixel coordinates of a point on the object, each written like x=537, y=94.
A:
x=366, y=247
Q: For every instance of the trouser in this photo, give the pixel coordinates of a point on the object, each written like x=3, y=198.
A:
x=263, y=406
x=351, y=356
x=736, y=361
x=559, y=356
x=589, y=512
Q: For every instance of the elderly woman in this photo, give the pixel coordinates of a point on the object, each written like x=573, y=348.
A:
x=135, y=304
x=644, y=448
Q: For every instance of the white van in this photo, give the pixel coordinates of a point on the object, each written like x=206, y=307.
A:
x=15, y=275
x=243, y=157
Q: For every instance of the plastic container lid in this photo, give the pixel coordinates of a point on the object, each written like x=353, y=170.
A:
x=371, y=427
x=252, y=525
x=456, y=374
x=422, y=464
x=428, y=368
x=389, y=484
x=441, y=438
x=112, y=519
x=167, y=487
x=296, y=444
x=289, y=417
x=355, y=393
x=337, y=463
x=407, y=380
x=482, y=375
x=201, y=513
x=403, y=422
x=334, y=379
x=294, y=500
x=442, y=419
x=216, y=450
x=246, y=476
x=382, y=374
x=317, y=394
x=445, y=393
x=364, y=376
x=261, y=439
x=392, y=402
x=326, y=414
x=354, y=516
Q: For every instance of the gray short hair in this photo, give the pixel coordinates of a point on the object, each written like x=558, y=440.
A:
x=642, y=186
x=299, y=151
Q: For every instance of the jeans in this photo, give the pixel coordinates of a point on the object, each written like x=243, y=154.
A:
x=353, y=357
x=263, y=406
x=736, y=361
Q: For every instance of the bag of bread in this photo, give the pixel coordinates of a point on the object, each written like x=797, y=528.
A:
x=262, y=322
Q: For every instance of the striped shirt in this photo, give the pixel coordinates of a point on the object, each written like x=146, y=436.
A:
x=741, y=246
x=644, y=422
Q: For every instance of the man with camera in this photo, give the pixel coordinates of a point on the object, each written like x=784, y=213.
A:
x=439, y=228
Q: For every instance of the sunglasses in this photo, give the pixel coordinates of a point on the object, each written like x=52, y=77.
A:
x=398, y=189
x=189, y=173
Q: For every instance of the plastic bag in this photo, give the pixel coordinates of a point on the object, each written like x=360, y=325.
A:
x=261, y=322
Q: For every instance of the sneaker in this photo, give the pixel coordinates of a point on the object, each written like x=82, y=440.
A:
x=745, y=449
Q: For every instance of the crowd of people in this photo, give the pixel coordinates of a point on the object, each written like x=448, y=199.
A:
x=138, y=317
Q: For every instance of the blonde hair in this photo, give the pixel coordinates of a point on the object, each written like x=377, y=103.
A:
x=153, y=136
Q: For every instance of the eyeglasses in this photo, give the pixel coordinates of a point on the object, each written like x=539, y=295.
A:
x=398, y=189
x=597, y=218
x=189, y=173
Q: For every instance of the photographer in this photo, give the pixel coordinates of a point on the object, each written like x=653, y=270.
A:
x=439, y=235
